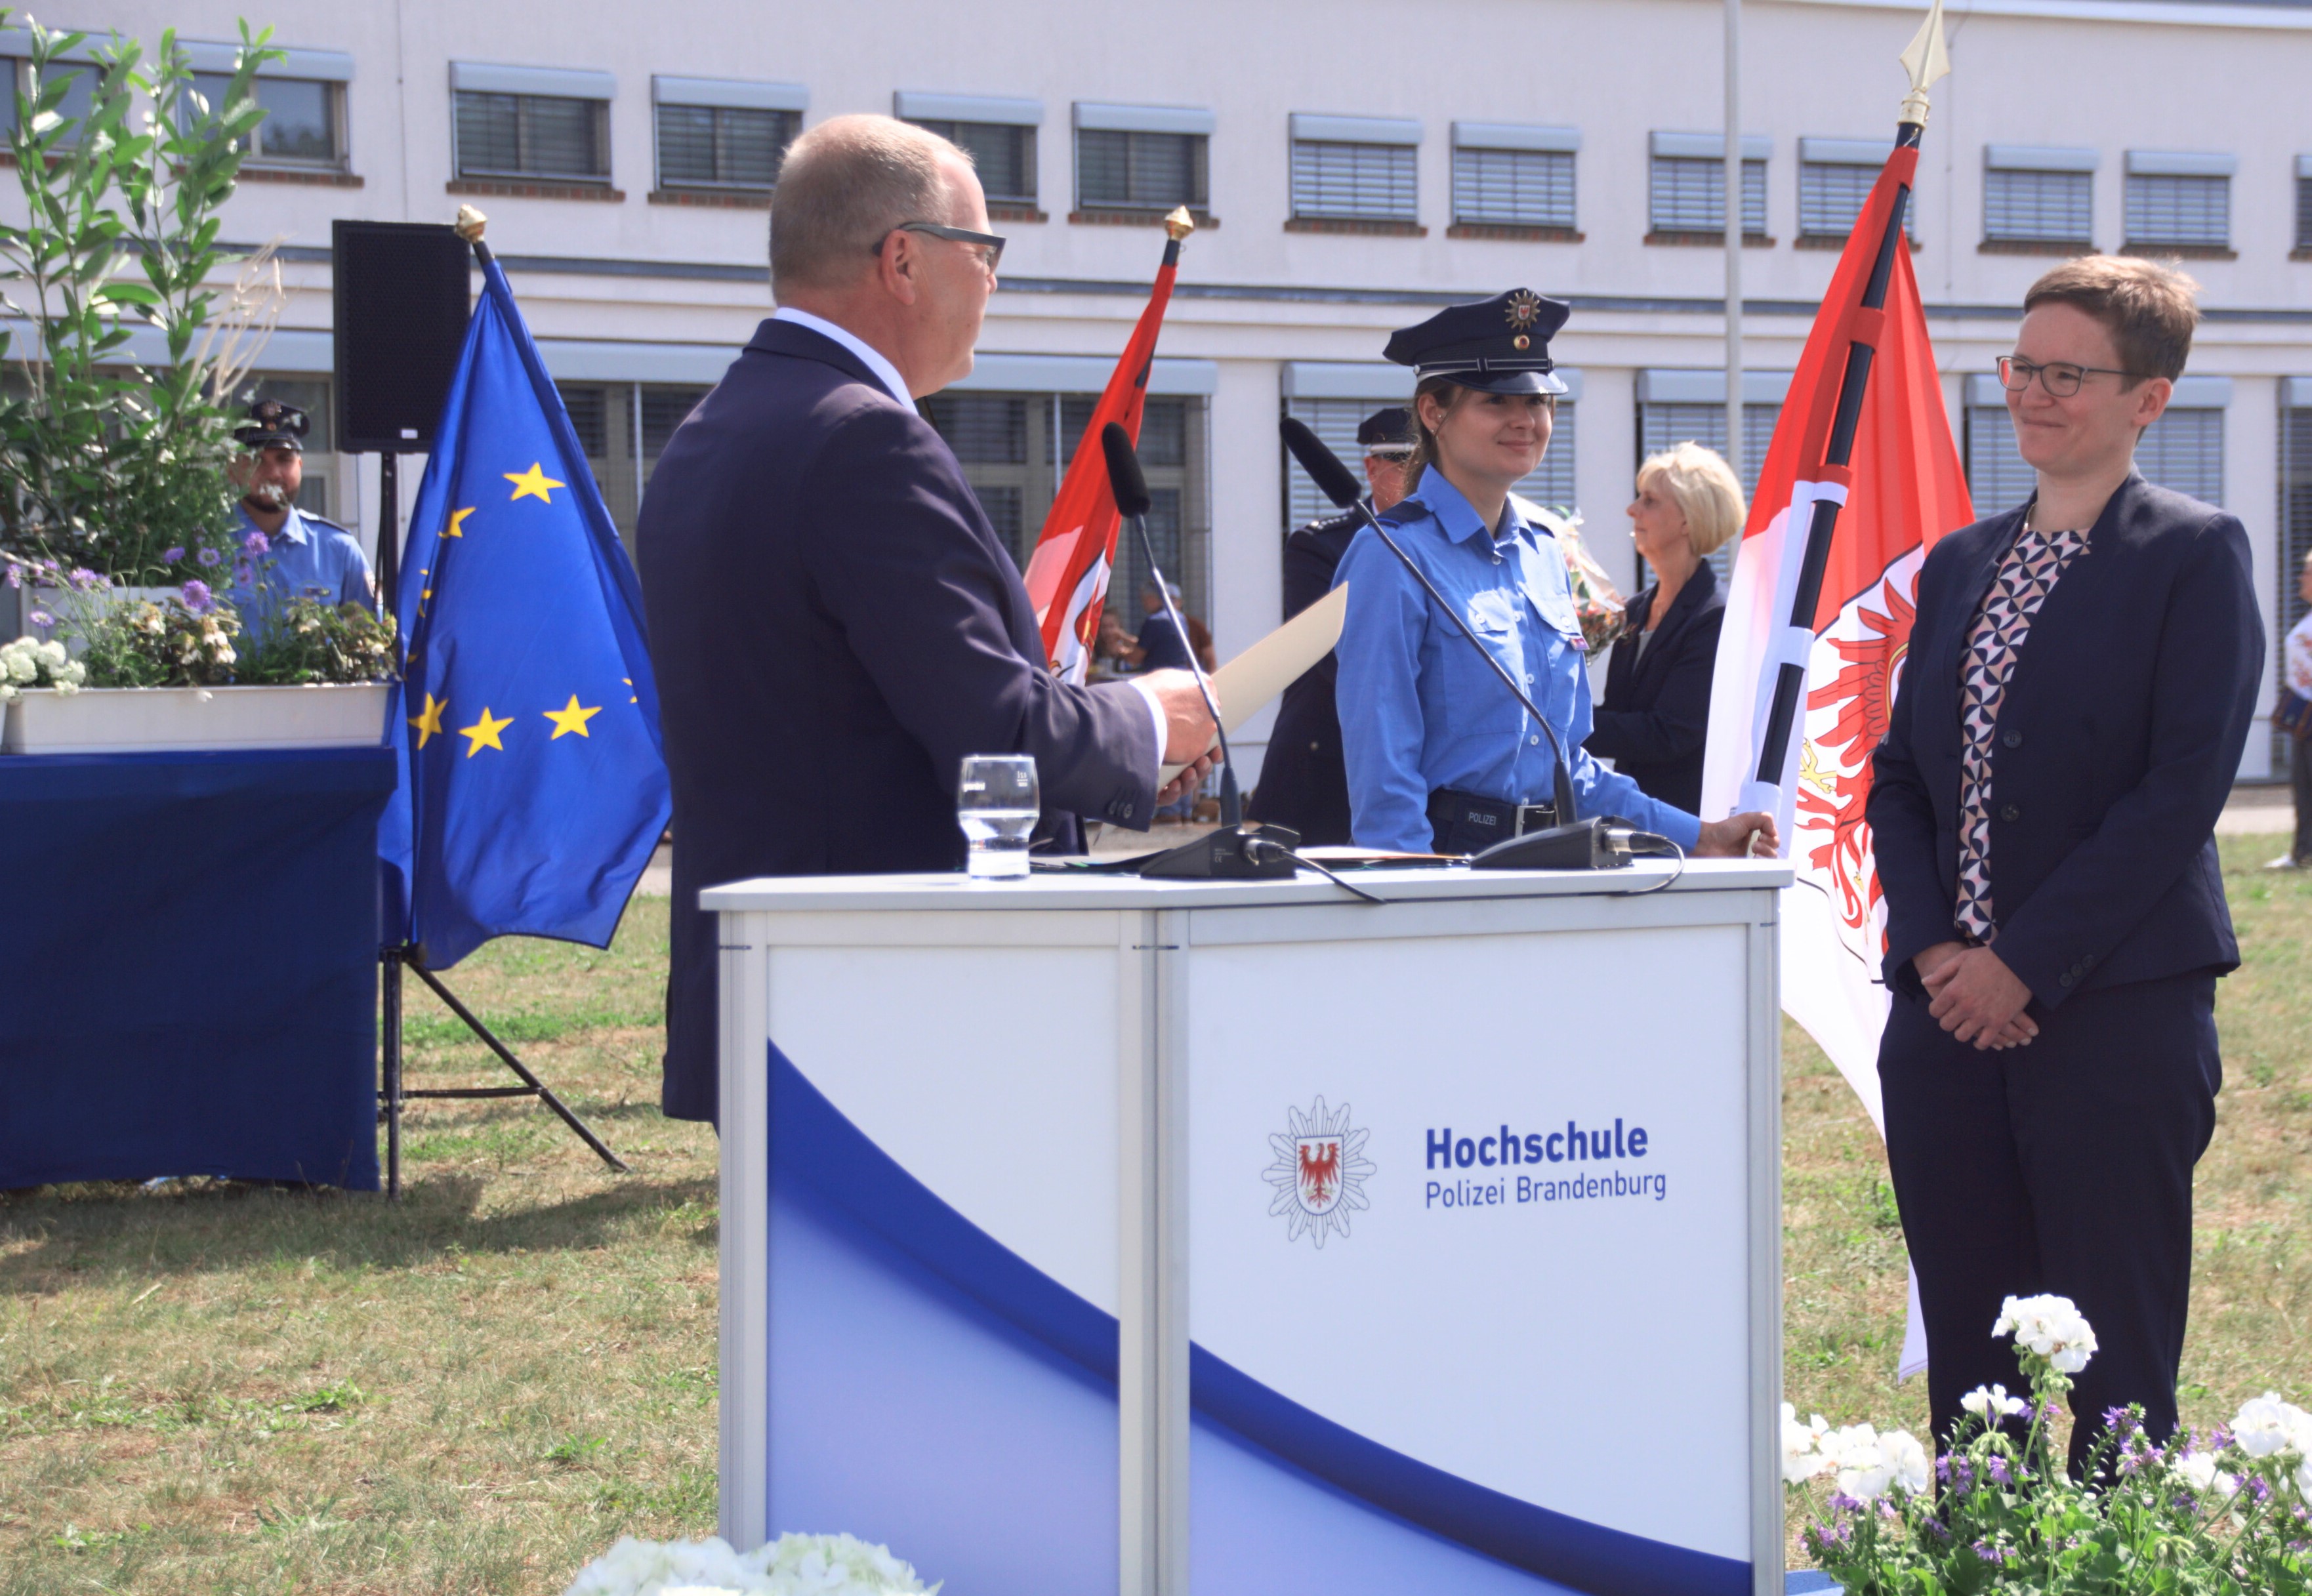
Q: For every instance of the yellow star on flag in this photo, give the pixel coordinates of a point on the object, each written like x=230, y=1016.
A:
x=428, y=721
x=457, y=527
x=570, y=717
x=531, y=484
x=483, y=732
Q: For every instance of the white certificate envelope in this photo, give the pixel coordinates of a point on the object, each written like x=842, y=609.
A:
x=1249, y=681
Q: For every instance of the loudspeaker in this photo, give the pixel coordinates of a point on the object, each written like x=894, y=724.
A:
x=401, y=302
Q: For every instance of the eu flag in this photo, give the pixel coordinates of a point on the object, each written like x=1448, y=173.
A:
x=533, y=786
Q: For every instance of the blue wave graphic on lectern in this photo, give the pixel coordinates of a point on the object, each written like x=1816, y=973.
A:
x=813, y=1145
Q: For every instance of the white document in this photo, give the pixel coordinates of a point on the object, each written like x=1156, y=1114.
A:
x=1249, y=681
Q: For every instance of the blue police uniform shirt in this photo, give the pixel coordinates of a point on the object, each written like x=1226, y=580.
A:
x=309, y=556
x=1420, y=711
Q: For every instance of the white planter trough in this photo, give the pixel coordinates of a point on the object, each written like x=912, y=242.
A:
x=133, y=720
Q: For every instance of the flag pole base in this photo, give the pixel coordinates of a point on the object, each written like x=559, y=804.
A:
x=398, y=958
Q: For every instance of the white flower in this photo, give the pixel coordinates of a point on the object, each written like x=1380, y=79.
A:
x=1864, y=1471
x=1992, y=1402
x=790, y=1566
x=1802, y=1456
x=2265, y=1424
x=65, y=689
x=2050, y=1326
x=52, y=653
x=22, y=668
x=2198, y=1470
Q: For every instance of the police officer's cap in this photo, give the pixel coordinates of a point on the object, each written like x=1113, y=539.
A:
x=273, y=425
x=1387, y=432
x=1496, y=345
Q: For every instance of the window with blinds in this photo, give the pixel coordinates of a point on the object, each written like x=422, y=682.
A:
x=2304, y=212
x=1831, y=196
x=2295, y=542
x=622, y=428
x=1014, y=448
x=1666, y=424
x=723, y=146
x=1141, y=170
x=1514, y=188
x=2169, y=209
x=1688, y=194
x=1997, y=478
x=2042, y=206
x=2184, y=450
x=302, y=117
x=1353, y=181
x=1003, y=154
x=532, y=135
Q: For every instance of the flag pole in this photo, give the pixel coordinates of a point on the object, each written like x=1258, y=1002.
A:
x=410, y=956
x=1926, y=60
x=1734, y=439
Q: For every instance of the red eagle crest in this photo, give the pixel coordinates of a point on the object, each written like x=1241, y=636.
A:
x=1320, y=1172
x=1863, y=693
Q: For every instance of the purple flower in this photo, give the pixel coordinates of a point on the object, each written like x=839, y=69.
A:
x=209, y=556
x=15, y=578
x=258, y=543
x=170, y=557
x=83, y=580
x=1999, y=1469
x=242, y=573
x=197, y=598
x=41, y=617
x=1989, y=1553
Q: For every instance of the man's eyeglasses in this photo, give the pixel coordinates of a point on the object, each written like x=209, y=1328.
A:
x=2060, y=378
x=988, y=246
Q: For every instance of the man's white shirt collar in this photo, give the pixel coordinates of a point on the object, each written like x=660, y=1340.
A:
x=885, y=372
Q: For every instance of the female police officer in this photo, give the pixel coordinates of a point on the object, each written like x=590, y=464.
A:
x=1441, y=757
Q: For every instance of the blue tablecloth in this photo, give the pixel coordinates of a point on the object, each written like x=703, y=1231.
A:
x=188, y=965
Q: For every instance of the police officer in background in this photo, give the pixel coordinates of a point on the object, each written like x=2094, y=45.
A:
x=294, y=553
x=1440, y=756
x=1302, y=783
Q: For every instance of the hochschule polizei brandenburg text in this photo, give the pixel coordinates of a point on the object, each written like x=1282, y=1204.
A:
x=1506, y=1148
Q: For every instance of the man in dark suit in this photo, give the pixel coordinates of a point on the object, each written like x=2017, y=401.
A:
x=2081, y=676
x=834, y=623
x=1303, y=785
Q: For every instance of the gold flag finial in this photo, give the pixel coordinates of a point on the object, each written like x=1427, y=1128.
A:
x=470, y=223
x=1179, y=224
x=1926, y=60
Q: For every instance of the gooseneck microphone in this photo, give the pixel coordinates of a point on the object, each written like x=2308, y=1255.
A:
x=1232, y=851
x=1572, y=843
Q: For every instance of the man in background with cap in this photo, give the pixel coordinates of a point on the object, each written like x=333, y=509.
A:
x=1441, y=755
x=1302, y=783
x=285, y=552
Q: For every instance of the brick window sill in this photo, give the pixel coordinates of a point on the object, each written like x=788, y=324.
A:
x=1097, y=215
x=2181, y=251
x=1515, y=233
x=310, y=176
x=2034, y=246
x=1012, y=210
x=601, y=193
x=1707, y=241
x=719, y=199
x=2300, y=252
x=1358, y=226
x=1834, y=241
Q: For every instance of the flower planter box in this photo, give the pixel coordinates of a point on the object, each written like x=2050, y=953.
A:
x=131, y=719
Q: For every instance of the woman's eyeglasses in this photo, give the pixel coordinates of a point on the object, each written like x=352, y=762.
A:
x=2060, y=378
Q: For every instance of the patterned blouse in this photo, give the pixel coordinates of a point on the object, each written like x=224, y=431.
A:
x=2026, y=576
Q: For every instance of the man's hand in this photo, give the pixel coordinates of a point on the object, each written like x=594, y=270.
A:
x=1187, y=781
x=1737, y=837
x=1976, y=997
x=1188, y=729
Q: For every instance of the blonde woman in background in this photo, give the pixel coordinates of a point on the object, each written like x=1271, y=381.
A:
x=1657, y=703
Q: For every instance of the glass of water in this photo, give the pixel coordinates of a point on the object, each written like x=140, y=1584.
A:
x=998, y=803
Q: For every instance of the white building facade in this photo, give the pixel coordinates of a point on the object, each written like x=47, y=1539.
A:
x=1353, y=166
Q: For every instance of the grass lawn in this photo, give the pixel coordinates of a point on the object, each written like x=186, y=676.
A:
x=223, y=1390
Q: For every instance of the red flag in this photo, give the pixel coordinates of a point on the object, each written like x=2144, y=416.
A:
x=1067, y=576
x=1802, y=692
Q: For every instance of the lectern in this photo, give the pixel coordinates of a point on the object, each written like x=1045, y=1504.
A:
x=1086, y=1234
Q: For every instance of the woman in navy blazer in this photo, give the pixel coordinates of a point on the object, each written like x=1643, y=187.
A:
x=1656, y=706
x=2081, y=676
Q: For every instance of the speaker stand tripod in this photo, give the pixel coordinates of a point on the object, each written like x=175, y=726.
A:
x=392, y=1094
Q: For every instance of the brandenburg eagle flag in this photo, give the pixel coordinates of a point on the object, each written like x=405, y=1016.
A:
x=534, y=787
x=1861, y=479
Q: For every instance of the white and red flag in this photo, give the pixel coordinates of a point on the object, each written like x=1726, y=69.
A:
x=1861, y=479
x=1067, y=576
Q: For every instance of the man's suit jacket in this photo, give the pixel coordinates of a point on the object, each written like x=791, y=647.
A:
x=834, y=625
x=1304, y=783
x=1657, y=708
x=2116, y=746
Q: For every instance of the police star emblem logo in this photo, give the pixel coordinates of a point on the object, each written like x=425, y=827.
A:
x=1320, y=1172
x=1524, y=309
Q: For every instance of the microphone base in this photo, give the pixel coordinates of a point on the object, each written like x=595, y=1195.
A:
x=1223, y=855
x=1584, y=844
